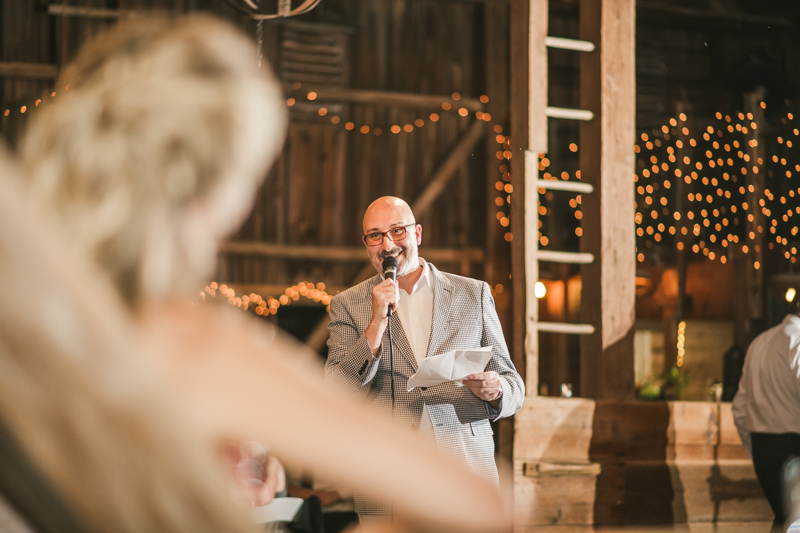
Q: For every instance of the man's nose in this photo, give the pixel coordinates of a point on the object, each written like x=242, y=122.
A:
x=387, y=243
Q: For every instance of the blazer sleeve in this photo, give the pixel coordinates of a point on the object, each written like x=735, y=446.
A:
x=350, y=365
x=513, y=386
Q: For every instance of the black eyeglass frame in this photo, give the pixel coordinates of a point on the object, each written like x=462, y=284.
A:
x=386, y=233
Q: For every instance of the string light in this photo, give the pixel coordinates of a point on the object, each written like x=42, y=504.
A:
x=724, y=152
x=269, y=305
x=672, y=139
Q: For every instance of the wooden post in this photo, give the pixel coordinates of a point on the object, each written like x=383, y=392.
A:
x=685, y=119
x=756, y=227
x=528, y=137
x=520, y=73
x=496, y=16
x=681, y=188
x=607, y=161
x=537, y=143
x=497, y=267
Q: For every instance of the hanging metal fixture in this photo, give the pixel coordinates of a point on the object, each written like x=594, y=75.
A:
x=252, y=10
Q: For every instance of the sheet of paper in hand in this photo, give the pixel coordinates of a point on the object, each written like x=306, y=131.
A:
x=278, y=510
x=454, y=365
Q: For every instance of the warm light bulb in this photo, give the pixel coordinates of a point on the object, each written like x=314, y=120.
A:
x=790, y=292
x=540, y=290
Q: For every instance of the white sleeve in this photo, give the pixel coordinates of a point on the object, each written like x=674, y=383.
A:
x=739, y=410
x=795, y=366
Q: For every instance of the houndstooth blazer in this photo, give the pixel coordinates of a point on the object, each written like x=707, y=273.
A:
x=463, y=317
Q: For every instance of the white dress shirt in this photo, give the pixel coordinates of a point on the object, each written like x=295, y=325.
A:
x=768, y=399
x=416, y=314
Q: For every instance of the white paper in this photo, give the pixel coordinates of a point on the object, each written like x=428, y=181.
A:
x=278, y=510
x=454, y=365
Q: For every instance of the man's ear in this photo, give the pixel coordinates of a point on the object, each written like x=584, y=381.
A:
x=418, y=232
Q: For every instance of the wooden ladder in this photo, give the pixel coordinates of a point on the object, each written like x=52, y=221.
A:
x=607, y=135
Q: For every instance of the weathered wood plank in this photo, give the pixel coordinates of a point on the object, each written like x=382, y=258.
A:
x=519, y=114
x=449, y=167
x=654, y=462
x=418, y=101
x=537, y=77
x=339, y=253
x=89, y=12
x=607, y=80
x=12, y=69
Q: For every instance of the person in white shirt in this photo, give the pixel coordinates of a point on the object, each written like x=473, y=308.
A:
x=435, y=312
x=766, y=408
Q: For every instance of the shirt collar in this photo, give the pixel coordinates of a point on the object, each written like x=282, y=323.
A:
x=425, y=279
x=426, y=274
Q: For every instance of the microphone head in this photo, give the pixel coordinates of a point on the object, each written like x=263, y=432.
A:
x=390, y=266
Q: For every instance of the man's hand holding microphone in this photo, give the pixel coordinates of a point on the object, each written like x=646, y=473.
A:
x=385, y=298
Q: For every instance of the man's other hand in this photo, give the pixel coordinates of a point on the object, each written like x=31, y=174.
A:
x=485, y=385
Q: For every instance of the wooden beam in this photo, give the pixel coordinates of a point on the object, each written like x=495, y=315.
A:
x=420, y=101
x=524, y=212
x=756, y=227
x=671, y=319
x=537, y=74
x=458, y=155
x=89, y=12
x=663, y=10
x=497, y=266
x=608, y=293
x=519, y=25
x=529, y=138
x=338, y=253
x=10, y=69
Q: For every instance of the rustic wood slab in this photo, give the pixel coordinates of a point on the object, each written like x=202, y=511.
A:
x=579, y=461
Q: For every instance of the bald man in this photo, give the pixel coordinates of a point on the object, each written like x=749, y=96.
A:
x=433, y=312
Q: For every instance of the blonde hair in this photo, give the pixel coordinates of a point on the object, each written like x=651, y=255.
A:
x=159, y=135
x=83, y=406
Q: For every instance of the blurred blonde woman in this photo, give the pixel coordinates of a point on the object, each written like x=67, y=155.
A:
x=153, y=155
x=89, y=437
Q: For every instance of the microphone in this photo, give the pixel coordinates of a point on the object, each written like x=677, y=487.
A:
x=390, y=266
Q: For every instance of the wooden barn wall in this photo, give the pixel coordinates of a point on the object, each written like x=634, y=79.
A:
x=327, y=175
x=317, y=191
x=31, y=35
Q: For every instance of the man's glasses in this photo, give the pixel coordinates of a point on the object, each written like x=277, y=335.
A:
x=395, y=234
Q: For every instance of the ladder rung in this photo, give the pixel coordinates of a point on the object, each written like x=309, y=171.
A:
x=569, y=44
x=562, y=327
x=569, y=113
x=573, y=186
x=579, y=258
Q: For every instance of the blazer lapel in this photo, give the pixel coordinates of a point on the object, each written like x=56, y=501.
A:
x=401, y=341
x=442, y=294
